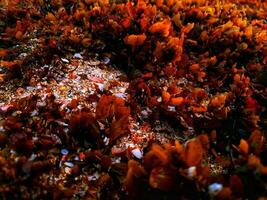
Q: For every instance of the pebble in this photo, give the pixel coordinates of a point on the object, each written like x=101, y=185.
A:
x=159, y=99
x=105, y=60
x=30, y=88
x=64, y=151
x=116, y=160
x=121, y=95
x=77, y=55
x=171, y=108
x=106, y=141
x=101, y=86
x=215, y=188
x=137, y=153
x=67, y=170
x=94, y=177
x=34, y=113
x=144, y=112
x=65, y=60
x=61, y=123
x=191, y=172
x=40, y=104
x=69, y=164
x=33, y=156
x=131, y=145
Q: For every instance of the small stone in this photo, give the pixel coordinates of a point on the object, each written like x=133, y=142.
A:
x=191, y=172
x=61, y=123
x=215, y=188
x=65, y=60
x=77, y=55
x=121, y=95
x=171, y=108
x=64, y=151
x=144, y=112
x=40, y=104
x=67, y=170
x=137, y=153
x=106, y=141
x=94, y=177
x=159, y=99
x=34, y=113
x=105, y=60
x=69, y=164
x=33, y=156
x=30, y=88
x=101, y=86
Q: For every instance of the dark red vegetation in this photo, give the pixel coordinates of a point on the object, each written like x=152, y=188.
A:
x=197, y=67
